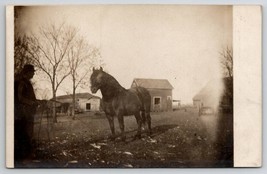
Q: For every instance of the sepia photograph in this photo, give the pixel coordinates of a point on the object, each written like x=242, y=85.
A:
x=123, y=86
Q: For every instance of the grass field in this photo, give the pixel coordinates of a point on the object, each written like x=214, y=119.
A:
x=179, y=139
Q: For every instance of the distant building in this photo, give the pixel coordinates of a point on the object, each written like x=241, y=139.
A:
x=210, y=95
x=84, y=101
x=160, y=91
x=176, y=104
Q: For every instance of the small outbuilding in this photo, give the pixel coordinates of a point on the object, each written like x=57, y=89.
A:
x=84, y=101
x=176, y=104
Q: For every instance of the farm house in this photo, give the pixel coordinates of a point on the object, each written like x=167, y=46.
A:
x=160, y=91
x=84, y=101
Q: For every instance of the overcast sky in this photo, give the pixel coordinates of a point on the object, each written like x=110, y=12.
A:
x=174, y=42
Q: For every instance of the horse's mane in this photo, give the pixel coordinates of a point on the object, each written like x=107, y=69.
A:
x=110, y=87
x=110, y=80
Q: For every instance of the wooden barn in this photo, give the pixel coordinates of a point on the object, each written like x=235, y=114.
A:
x=84, y=101
x=160, y=91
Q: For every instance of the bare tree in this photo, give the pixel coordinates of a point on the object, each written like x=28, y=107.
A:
x=227, y=61
x=49, y=52
x=227, y=66
x=81, y=58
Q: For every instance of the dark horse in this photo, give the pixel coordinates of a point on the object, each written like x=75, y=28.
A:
x=118, y=101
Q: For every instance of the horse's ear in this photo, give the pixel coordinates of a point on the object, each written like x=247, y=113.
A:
x=93, y=68
x=101, y=69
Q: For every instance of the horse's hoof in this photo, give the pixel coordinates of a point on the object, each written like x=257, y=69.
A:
x=123, y=138
x=138, y=136
x=112, y=138
x=149, y=133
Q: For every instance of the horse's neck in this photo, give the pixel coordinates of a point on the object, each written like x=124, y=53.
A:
x=111, y=88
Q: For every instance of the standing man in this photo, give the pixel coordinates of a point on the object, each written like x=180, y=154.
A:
x=25, y=109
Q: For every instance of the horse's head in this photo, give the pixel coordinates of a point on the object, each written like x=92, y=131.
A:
x=96, y=79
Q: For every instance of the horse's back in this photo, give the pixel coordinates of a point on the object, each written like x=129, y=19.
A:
x=126, y=103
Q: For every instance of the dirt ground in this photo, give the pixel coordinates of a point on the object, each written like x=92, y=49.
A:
x=179, y=139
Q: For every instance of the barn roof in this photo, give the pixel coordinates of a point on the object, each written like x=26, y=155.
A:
x=213, y=87
x=77, y=95
x=153, y=83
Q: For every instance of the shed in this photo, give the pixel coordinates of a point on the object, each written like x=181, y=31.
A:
x=176, y=104
x=84, y=101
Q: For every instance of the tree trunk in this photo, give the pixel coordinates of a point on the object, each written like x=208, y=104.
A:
x=73, y=104
x=73, y=100
x=54, y=107
x=54, y=96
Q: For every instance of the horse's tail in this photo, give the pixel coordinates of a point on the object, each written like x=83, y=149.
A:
x=145, y=99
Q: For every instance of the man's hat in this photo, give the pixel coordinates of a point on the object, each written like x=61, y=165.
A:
x=28, y=68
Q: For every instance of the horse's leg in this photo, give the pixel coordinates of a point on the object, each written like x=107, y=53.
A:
x=139, y=122
x=143, y=116
x=148, y=118
x=111, y=124
x=121, y=123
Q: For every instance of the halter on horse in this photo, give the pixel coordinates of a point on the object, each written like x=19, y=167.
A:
x=118, y=101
